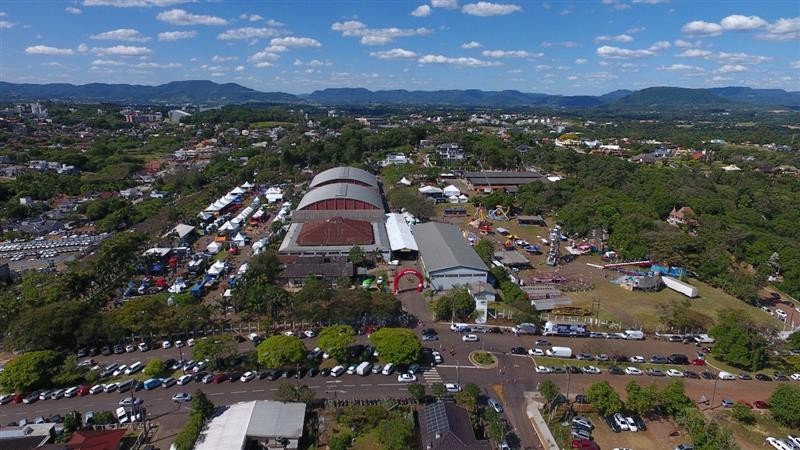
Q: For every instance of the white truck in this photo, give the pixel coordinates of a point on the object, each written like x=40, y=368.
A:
x=634, y=335
x=364, y=369
x=679, y=286
x=559, y=352
x=704, y=339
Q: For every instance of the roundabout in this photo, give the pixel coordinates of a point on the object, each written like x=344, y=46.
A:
x=482, y=359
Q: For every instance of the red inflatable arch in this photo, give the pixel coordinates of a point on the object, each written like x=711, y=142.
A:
x=405, y=272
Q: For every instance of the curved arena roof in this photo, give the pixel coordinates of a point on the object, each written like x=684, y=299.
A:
x=341, y=196
x=349, y=175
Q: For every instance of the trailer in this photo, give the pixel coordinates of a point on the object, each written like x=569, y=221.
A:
x=678, y=285
x=564, y=329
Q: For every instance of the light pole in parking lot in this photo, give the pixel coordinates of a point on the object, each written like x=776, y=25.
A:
x=714, y=392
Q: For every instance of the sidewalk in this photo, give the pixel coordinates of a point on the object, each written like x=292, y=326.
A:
x=533, y=409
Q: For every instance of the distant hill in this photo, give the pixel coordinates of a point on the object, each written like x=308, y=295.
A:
x=191, y=91
x=203, y=92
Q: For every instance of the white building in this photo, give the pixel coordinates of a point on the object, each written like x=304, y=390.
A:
x=176, y=115
x=483, y=294
x=257, y=424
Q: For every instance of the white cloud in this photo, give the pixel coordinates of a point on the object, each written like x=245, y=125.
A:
x=247, y=33
x=170, y=36
x=135, y=3
x=46, y=50
x=294, y=41
x=471, y=44
x=695, y=53
x=625, y=38
x=488, y=9
x=271, y=53
x=106, y=62
x=660, y=45
x=219, y=59
x=701, y=28
x=608, y=51
x=684, y=68
x=274, y=23
x=4, y=24
x=318, y=63
x=239, y=69
x=543, y=67
x=616, y=4
x=445, y=4
x=737, y=22
x=456, y=61
x=83, y=48
x=421, y=11
x=651, y=2
x=181, y=17
x=3, y=14
x=121, y=34
x=795, y=64
x=732, y=68
x=154, y=65
x=122, y=50
x=72, y=10
x=395, y=53
x=251, y=17
x=375, y=36
x=635, y=30
x=782, y=30
x=581, y=61
x=680, y=43
x=510, y=54
x=264, y=64
x=739, y=58
x=565, y=44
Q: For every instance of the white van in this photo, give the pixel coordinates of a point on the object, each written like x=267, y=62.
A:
x=388, y=369
x=337, y=371
x=634, y=335
x=135, y=367
x=726, y=376
x=459, y=327
x=559, y=352
x=364, y=369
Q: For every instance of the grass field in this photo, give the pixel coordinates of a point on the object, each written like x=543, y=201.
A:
x=752, y=436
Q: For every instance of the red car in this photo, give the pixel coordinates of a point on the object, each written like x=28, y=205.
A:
x=83, y=390
x=584, y=444
x=742, y=402
x=698, y=362
x=219, y=378
x=761, y=404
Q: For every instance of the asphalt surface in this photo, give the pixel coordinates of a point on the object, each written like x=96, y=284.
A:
x=515, y=373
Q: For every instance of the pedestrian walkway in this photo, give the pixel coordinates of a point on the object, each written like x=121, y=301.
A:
x=432, y=376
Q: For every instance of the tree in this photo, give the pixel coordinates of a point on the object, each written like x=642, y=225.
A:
x=743, y=414
x=57, y=326
x=201, y=405
x=335, y=339
x=674, y=398
x=72, y=421
x=604, y=398
x=155, y=367
x=409, y=199
x=455, y=305
x=438, y=390
x=396, y=432
x=641, y=400
x=548, y=389
x=279, y=351
x=397, y=345
x=215, y=349
x=417, y=391
x=794, y=340
x=30, y=370
x=356, y=256
x=739, y=342
x=485, y=250
x=496, y=427
x=288, y=392
x=264, y=267
x=784, y=404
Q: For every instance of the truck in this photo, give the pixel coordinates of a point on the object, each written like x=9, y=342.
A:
x=364, y=369
x=634, y=335
x=559, y=352
x=704, y=339
x=564, y=329
x=679, y=286
x=524, y=328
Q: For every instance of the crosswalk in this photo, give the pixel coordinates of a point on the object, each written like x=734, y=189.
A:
x=431, y=376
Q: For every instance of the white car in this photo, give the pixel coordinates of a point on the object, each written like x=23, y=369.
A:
x=674, y=373
x=252, y=336
x=97, y=388
x=636, y=359
x=779, y=444
x=143, y=347
x=182, y=397
x=437, y=357
x=130, y=348
x=591, y=369
x=632, y=371
x=542, y=369
x=184, y=379
x=536, y=352
x=406, y=378
x=452, y=387
x=190, y=342
x=470, y=338
x=120, y=370
x=795, y=376
x=179, y=344
x=247, y=376
x=388, y=369
x=631, y=424
x=166, y=344
x=309, y=333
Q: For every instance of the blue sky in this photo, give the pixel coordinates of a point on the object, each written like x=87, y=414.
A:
x=560, y=47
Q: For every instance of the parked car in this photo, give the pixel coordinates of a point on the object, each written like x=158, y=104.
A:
x=636, y=359
x=690, y=374
x=727, y=403
x=495, y=405
x=406, y=378
x=655, y=372
x=614, y=370
x=452, y=387
x=674, y=373
x=182, y=397
x=632, y=371
x=248, y=376
x=591, y=369
x=762, y=377
x=517, y=350
x=698, y=362
x=536, y=352
x=474, y=338
x=612, y=424
x=185, y=379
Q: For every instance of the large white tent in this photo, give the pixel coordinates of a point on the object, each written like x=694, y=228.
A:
x=214, y=247
x=400, y=237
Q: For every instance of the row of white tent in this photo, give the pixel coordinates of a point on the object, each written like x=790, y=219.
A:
x=223, y=202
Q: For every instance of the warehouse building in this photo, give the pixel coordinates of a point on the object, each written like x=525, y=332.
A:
x=343, y=208
x=501, y=180
x=447, y=259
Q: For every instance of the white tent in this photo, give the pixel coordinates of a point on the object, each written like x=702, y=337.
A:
x=451, y=190
x=242, y=269
x=214, y=247
x=400, y=237
x=404, y=181
x=247, y=185
x=428, y=190
x=274, y=194
x=228, y=227
x=239, y=240
x=463, y=198
x=237, y=191
x=452, y=199
x=216, y=268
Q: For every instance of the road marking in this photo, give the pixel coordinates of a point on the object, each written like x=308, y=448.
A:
x=452, y=366
x=365, y=385
x=257, y=390
x=238, y=392
x=348, y=385
x=217, y=393
x=390, y=384
x=274, y=389
x=337, y=381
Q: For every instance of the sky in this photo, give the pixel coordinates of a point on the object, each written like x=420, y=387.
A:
x=556, y=47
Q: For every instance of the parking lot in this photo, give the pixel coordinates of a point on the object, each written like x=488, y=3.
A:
x=38, y=253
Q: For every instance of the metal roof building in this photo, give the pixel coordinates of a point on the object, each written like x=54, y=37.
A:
x=349, y=175
x=400, y=237
x=341, y=196
x=447, y=258
x=263, y=421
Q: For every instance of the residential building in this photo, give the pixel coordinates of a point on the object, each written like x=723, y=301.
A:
x=450, y=152
x=483, y=294
x=502, y=180
x=395, y=159
x=683, y=216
